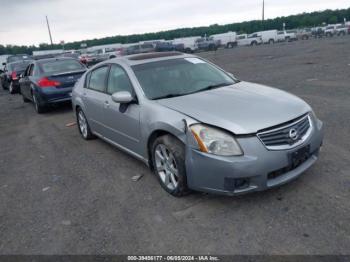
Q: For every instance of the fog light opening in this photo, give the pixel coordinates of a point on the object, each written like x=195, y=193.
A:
x=233, y=184
x=241, y=183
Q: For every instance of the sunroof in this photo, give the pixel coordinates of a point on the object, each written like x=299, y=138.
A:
x=154, y=55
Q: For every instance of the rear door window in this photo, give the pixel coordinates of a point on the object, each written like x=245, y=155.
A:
x=31, y=70
x=97, y=80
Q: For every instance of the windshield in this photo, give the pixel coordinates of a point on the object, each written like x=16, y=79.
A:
x=178, y=77
x=16, y=58
x=61, y=66
x=18, y=66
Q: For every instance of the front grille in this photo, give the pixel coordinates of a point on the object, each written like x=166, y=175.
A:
x=287, y=136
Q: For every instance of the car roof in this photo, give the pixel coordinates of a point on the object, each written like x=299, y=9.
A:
x=138, y=59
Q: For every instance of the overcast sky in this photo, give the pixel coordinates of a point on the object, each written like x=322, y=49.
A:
x=23, y=21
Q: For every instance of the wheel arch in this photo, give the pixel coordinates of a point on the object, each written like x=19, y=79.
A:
x=77, y=102
x=158, y=133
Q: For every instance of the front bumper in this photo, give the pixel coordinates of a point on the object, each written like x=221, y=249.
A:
x=259, y=169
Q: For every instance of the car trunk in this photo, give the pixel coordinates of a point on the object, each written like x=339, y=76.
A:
x=66, y=79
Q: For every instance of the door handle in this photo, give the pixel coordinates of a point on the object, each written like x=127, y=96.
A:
x=106, y=104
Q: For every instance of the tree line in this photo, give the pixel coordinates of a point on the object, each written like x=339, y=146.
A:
x=294, y=21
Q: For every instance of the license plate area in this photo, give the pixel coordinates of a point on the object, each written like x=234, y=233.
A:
x=300, y=156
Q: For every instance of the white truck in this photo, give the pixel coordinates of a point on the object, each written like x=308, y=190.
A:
x=330, y=30
x=228, y=40
x=268, y=37
x=281, y=36
x=291, y=35
x=341, y=30
x=189, y=43
x=287, y=36
x=106, y=51
x=246, y=40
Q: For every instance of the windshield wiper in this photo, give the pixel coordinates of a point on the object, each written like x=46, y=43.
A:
x=210, y=87
x=167, y=96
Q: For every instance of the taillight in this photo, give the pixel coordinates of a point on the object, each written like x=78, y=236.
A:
x=44, y=82
x=14, y=75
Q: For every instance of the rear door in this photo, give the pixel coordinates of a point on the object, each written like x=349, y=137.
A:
x=94, y=97
x=26, y=82
x=122, y=121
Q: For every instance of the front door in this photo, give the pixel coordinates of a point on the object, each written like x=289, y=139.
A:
x=121, y=121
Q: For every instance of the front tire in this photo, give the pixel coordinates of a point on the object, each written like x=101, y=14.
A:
x=168, y=159
x=83, y=125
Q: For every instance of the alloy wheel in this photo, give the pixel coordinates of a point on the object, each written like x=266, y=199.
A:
x=166, y=167
x=35, y=103
x=82, y=124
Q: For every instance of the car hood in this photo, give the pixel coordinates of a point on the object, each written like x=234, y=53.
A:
x=242, y=108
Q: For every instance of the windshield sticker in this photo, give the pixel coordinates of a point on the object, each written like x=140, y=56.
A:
x=194, y=60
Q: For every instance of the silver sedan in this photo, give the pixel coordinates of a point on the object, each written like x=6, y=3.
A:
x=195, y=125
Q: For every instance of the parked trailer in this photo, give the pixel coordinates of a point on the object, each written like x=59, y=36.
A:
x=190, y=43
x=228, y=40
x=153, y=42
x=268, y=37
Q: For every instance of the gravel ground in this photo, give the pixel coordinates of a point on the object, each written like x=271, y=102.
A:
x=62, y=195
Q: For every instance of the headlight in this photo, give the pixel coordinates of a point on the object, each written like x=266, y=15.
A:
x=215, y=141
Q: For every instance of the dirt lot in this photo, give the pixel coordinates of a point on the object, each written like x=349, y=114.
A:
x=62, y=195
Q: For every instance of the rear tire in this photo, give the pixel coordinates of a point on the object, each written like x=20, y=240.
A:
x=11, y=88
x=271, y=41
x=168, y=159
x=25, y=100
x=188, y=51
x=40, y=109
x=83, y=125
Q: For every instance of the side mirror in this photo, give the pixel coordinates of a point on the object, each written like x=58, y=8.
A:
x=122, y=97
x=4, y=64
